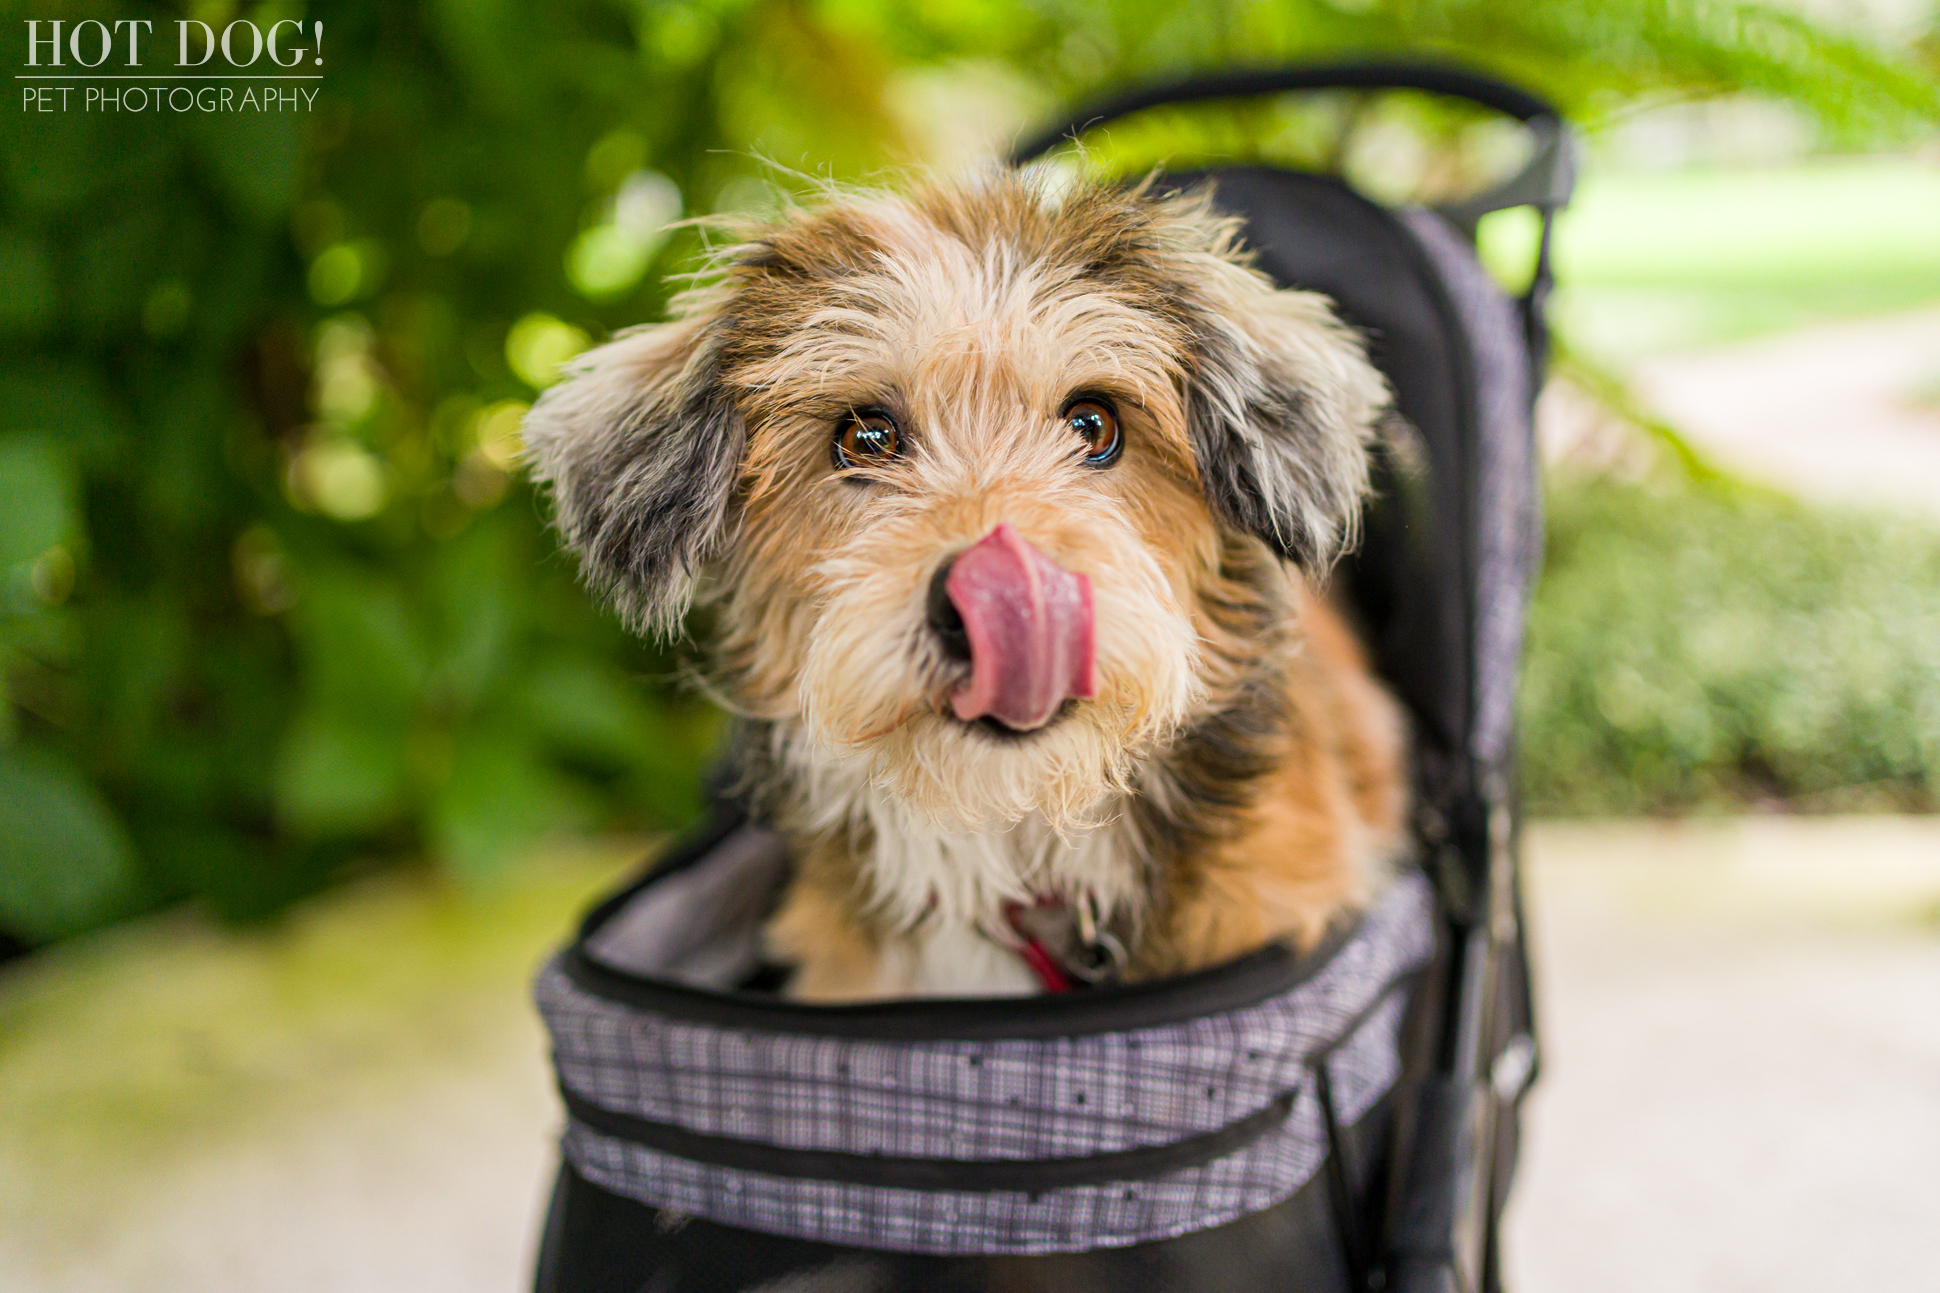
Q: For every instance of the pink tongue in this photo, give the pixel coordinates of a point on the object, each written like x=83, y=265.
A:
x=1030, y=628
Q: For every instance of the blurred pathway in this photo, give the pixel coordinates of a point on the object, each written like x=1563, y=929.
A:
x=1846, y=412
x=1742, y=1089
x=355, y=1102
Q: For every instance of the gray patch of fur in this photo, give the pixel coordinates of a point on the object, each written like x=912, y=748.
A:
x=641, y=445
x=1281, y=440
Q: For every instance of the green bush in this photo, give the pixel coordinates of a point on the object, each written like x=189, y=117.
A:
x=272, y=606
x=1699, y=646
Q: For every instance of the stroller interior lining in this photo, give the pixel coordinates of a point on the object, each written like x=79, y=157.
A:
x=699, y=926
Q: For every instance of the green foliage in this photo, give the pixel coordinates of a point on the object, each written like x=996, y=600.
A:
x=272, y=601
x=71, y=858
x=1704, y=646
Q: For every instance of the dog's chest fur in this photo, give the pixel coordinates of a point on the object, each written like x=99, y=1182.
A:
x=935, y=900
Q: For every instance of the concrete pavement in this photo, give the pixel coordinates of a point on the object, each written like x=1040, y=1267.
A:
x=1741, y=1091
x=1843, y=412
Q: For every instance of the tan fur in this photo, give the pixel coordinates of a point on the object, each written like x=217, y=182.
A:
x=836, y=959
x=1337, y=795
x=1238, y=776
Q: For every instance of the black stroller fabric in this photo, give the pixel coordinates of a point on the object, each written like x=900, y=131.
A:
x=1452, y=346
x=1341, y=1121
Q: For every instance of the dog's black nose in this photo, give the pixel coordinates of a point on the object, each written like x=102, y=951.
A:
x=944, y=620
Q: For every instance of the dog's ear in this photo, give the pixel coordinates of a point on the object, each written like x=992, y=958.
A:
x=641, y=447
x=1281, y=404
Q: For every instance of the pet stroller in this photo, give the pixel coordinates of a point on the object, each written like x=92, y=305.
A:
x=1343, y=1120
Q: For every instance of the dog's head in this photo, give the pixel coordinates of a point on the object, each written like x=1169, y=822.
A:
x=959, y=470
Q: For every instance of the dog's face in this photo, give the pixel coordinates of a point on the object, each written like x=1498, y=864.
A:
x=959, y=470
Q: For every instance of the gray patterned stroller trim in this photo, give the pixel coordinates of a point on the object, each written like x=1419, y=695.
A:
x=1034, y=1125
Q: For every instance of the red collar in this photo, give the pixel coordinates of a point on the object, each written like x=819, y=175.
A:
x=1050, y=972
x=1050, y=975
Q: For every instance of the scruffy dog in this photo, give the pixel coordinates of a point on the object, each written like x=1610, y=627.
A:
x=1002, y=494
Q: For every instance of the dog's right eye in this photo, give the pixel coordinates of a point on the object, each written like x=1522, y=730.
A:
x=866, y=439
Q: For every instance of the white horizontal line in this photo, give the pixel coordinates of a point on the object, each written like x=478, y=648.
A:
x=169, y=78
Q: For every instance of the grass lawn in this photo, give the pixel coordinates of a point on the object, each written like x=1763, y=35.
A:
x=1656, y=261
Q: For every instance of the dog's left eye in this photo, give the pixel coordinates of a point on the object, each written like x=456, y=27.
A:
x=866, y=439
x=1097, y=425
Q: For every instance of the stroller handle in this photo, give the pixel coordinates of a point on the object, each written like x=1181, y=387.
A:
x=1545, y=182
x=1434, y=77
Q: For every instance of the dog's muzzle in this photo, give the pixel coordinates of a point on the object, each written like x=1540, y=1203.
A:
x=1024, y=624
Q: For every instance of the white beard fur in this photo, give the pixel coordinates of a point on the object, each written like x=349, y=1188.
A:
x=942, y=893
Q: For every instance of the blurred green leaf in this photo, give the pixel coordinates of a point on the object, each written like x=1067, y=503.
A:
x=36, y=498
x=182, y=476
x=501, y=797
x=137, y=649
x=113, y=260
x=29, y=299
x=68, y=403
x=585, y=707
x=255, y=158
x=341, y=773
x=477, y=610
x=55, y=160
x=239, y=877
x=362, y=650
x=68, y=862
